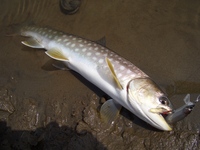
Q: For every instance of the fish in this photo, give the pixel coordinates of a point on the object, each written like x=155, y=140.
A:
x=127, y=85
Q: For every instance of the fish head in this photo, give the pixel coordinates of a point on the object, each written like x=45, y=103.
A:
x=149, y=103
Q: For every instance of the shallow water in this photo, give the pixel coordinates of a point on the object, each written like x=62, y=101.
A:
x=47, y=108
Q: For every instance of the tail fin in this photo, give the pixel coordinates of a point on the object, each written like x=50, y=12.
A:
x=15, y=29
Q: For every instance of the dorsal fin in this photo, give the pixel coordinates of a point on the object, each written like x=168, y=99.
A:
x=113, y=73
x=102, y=41
x=56, y=54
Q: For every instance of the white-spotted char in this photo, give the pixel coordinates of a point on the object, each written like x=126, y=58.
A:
x=126, y=84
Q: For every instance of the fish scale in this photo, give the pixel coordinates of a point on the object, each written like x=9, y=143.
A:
x=126, y=84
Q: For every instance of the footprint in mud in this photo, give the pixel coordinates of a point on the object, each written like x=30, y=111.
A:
x=6, y=105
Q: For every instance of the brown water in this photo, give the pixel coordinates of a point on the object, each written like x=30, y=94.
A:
x=45, y=108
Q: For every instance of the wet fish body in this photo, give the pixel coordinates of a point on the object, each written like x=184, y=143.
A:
x=126, y=84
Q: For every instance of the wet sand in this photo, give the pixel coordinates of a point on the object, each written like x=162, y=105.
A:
x=45, y=108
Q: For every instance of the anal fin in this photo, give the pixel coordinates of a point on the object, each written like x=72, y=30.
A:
x=109, y=111
x=33, y=43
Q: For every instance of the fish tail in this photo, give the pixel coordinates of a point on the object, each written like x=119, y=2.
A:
x=16, y=29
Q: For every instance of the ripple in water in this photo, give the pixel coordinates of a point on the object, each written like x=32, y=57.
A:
x=21, y=10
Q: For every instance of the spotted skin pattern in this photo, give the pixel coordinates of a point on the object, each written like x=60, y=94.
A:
x=93, y=52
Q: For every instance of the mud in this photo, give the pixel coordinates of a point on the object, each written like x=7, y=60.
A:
x=45, y=108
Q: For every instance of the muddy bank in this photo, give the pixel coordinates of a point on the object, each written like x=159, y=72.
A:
x=45, y=108
x=86, y=130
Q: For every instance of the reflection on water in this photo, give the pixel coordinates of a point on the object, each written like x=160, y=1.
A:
x=16, y=11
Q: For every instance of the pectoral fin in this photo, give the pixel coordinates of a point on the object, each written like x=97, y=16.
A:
x=31, y=42
x=56, y=54
x=113, y=73
x=109, y=111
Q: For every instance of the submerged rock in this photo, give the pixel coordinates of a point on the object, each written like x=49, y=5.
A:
x=70, y=6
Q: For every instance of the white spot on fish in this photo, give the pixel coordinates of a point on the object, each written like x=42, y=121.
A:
x=122, y=67
x=74, y=39
x=97, y=53
x=81, y=45
x=111, y=59
x=89, y=44
x=100, y=60
x=73, y=45
x=131, y=65
x=119, y=75
x=76, y=49
x=94, y=58
x=105, y=55
x=96, y=48
x=139, y=74
x=65, y=40
x=89, y=54
x=68, y=43
x=59, y=40
x=64, y=36
x=84, y=49
x=128, y=71
x=80, y=40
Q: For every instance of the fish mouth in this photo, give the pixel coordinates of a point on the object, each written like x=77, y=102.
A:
x=163, y=110
x=155, y=116
x=158, y=115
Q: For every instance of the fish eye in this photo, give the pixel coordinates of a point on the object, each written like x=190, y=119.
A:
x=164, y=100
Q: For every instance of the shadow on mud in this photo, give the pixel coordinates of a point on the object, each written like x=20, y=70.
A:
x=50, y=137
